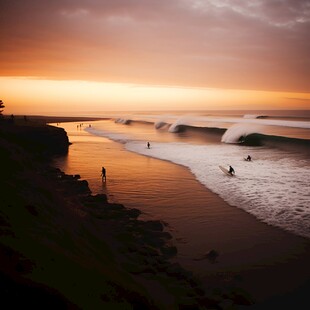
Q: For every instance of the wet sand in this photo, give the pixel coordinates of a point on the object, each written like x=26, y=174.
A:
x=265, y=261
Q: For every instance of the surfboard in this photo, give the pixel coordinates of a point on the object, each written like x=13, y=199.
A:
x=226, y=171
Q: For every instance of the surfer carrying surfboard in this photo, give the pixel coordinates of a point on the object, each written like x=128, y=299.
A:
x=231, y=170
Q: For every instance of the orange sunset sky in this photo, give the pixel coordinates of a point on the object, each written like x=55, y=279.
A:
x=62, y=57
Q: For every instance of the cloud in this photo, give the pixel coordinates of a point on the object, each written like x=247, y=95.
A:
x=235, y=44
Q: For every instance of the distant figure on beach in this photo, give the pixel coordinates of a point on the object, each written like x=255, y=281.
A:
x=148, y=145
x=103, y=174
x=249, y=158
x=231, y=170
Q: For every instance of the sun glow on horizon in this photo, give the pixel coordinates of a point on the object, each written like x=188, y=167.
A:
x=29, y=95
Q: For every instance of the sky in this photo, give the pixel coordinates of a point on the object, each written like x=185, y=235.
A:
x=64, y=56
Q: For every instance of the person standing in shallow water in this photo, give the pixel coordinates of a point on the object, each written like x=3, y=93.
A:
x=103, y=174
x=148, y=145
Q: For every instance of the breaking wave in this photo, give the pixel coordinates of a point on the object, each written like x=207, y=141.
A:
x=254, y=116
x=284, y=143
x=160, y=124
x=237, y=133
x=124, y=121
x=242, y=133
x=250, y=135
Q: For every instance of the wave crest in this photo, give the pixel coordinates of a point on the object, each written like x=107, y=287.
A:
x=253, y=116
x=124, y=121
x=178, y=124
x=237, y=133
x=160, y=124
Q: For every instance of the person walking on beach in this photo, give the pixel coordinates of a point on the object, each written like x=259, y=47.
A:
x=103, y=174
x=231, y=170
x=148, y=145
x=248, y=158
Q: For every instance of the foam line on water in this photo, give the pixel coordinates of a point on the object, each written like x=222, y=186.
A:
x=255, y=121
x=118, y=137
x=212, y=120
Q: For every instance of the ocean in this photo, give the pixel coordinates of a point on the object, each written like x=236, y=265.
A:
x=178, y=179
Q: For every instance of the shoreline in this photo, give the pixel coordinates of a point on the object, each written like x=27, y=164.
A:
x=77, y=249
x=137, y=260
x=253, y=255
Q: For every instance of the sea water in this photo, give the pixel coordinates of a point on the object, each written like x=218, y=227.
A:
x=273, y=187
x=258, y=217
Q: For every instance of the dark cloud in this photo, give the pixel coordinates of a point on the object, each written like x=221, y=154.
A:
x=236, y=44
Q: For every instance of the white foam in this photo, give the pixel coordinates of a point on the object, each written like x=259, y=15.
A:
x=191, y=120
x=118, y=137
x=237, y=131
x=123, y=121
x=160, y=124
x=273, y=188
x=184, y=120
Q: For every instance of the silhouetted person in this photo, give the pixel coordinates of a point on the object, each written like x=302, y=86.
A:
x=231, y=170
x=249, y=158
x=103, y=174
x=148, y=145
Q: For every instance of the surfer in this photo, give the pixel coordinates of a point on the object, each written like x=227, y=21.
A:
x=231, y=170
x=148, y=145
x=103, y=175
x=248, y=158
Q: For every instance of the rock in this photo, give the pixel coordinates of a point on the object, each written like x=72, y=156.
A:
x=212, y=256
x=153, y=225
x=32, y=210
x=169, y=251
